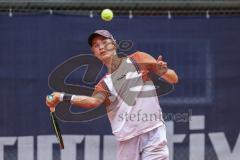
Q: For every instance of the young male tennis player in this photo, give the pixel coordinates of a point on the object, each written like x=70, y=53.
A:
x=130, y=98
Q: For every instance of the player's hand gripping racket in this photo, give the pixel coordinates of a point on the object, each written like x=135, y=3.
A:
x=55, y=125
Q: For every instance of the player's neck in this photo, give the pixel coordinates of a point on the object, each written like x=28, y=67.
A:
x=114, y=63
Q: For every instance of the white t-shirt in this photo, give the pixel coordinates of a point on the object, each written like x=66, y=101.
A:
x=132, y=103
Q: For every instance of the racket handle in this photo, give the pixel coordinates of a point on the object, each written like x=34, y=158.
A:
x=52, y=109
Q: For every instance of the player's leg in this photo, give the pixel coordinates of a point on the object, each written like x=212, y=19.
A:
x=154, y=145
x=129, y=149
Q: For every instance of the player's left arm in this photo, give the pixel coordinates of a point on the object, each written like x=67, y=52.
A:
x=159, y=67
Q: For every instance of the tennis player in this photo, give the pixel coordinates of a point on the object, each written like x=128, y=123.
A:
x=130, y=98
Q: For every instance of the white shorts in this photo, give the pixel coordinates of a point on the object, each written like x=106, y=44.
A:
x=148, y=146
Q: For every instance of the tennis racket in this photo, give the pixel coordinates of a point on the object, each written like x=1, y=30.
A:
x=56, y=126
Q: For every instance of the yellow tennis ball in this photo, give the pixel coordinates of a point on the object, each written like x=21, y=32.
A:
x=107, y=15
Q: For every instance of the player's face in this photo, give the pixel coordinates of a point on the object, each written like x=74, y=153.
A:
x=103, y=48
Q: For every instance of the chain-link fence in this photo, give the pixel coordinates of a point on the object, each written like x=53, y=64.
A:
x=123, y=7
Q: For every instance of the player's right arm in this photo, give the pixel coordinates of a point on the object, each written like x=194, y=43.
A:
x=82, y=101
x=99, y=96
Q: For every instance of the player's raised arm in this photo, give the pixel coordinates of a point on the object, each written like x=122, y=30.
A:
x=159, y=67
x=76, y=100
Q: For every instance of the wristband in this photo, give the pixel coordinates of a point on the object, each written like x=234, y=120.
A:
x=67, y=97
